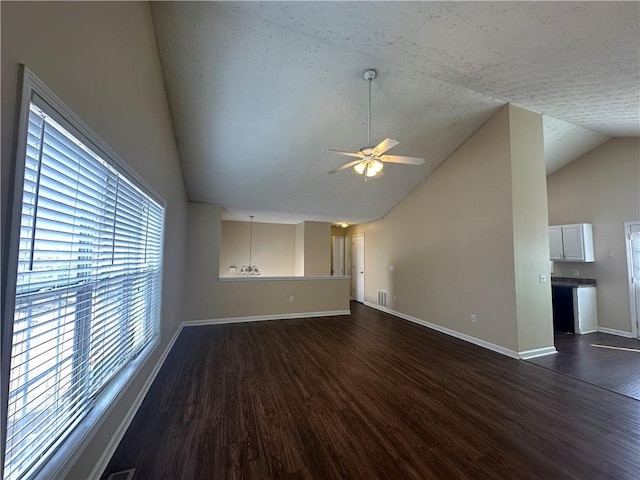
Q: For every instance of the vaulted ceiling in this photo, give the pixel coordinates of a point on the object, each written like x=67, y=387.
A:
x=259, y=91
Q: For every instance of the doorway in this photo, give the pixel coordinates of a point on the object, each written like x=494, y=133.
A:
x=632, y=235
x=358, y=267
x=337, y=256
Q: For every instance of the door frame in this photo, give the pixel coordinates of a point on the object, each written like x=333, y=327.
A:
x=355, y=270
x=341, y=241
x=633, y=308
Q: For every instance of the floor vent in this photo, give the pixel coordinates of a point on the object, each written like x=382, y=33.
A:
x=123, y=475
x=382, y=298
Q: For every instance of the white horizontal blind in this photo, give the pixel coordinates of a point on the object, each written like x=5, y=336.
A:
x=634, y=229
x=87, y=290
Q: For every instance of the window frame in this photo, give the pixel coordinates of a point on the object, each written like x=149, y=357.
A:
x=63, y=453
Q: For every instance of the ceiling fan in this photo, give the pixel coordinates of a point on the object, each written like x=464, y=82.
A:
x=370, y=159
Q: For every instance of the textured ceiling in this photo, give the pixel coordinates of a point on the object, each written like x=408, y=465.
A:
x=564, y=142
x=259, y=90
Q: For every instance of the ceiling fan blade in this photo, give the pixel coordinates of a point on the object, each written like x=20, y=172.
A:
x=347, y=154
x=401, y=159
x=345, y=166
x=383, y=146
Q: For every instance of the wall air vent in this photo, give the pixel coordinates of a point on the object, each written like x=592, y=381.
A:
x=382, y=298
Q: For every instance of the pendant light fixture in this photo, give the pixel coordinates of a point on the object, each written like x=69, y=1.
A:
x=250, y=269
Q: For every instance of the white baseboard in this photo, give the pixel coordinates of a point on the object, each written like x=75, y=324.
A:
x=111, y=447
x=381, y=308
x=587, y=331
x=611, y=331
x=537, y=352
x=448, y=331
x=262, y=318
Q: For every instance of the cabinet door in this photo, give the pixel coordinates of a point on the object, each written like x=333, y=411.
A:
x=585, y=309
x=572, y=239
x=555, y=243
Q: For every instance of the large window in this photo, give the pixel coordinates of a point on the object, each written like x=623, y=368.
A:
x=87, y=286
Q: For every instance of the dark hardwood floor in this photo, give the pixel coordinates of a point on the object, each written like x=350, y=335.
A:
x=587, y=358
x=369, y=396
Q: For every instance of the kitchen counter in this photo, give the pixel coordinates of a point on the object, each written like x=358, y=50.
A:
x=573, y=282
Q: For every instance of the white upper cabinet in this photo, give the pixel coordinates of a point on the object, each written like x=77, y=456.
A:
x=555, y=243
x=574, y=240
x=571, y=243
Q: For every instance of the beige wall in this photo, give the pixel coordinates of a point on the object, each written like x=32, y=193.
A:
x=202, y=297
x=299, y=252
x=454, y=245
x=208, y=297
x=273, y=250
x=601, y=188
x=530, y=222
x=101, y=60
x=258, y=297
x=317, y=249
x=313, y=249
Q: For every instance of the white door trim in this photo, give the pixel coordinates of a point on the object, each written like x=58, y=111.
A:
x=632, y=294
x=355, y=275
x=337, y=255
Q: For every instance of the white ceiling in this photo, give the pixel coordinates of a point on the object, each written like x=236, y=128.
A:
x=258, y=91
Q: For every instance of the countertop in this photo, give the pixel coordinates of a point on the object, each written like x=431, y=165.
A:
x=573, y=282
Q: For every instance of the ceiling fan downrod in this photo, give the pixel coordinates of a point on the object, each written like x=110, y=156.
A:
x=369, y=75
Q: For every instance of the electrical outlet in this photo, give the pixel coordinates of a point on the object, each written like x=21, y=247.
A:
x=576, y=272
x=291, y=299
x=609, y=253
x=473, y=319
x=543, y=278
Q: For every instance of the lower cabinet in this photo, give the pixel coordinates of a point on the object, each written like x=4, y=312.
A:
x=574, y=309
x=562, y=301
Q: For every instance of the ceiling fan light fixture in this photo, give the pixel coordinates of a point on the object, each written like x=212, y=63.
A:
x=369, y=159
x=369, y=167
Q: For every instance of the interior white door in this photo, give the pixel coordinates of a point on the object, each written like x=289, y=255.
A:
x=358, y=267
x=337, y=255
x=633, y=258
